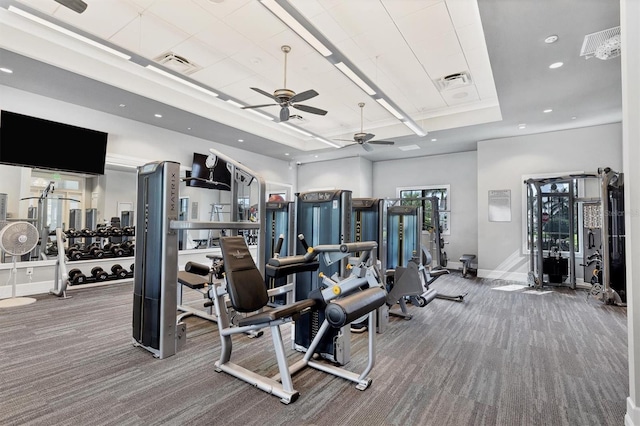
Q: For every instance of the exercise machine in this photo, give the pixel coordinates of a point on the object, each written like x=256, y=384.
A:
x=602, y=236
x=340, y=300
x=322, y=217
x=155, y=304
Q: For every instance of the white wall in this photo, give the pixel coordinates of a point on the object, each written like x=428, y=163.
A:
x=353, y=173
x=502, y=164
x=129, y=140
x=458, y=170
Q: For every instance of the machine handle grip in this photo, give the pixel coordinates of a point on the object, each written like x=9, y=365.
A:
x=279, y=245
x=303, y=242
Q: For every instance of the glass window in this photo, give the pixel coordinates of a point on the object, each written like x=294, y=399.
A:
x=423, y=197
x=556, y=211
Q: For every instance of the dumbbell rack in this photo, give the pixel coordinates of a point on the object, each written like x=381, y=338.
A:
x=97, y=275
x=118, y=244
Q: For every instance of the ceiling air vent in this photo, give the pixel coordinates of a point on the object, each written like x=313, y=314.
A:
x=602, y=45
x=177, y=63
x=453, y=81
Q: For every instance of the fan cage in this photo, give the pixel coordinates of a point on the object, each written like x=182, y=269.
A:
x=18, y=238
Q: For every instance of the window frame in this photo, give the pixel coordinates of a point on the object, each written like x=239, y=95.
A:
x=445, y=214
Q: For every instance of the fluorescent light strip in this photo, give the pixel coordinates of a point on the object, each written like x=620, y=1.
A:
x=296, y=26
x=354, y=77
x=260, y=114
x=295, y=128
x=65, y=31
x=417, y=130
x=389, y=108
x=328, y=142
x=234, y=103
x=179, y=80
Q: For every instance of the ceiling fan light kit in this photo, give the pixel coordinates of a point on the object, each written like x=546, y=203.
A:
x=286, y=98
x=364, y=139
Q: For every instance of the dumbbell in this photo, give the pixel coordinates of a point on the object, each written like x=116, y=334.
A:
x=74, y=253
x=99, y=274
x=76, y=276
x=96, y=252
x=116, y=250
x=128, y=246
x=119, y=271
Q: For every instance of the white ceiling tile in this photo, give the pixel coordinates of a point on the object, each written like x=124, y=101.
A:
x=149, y=36
x=349, y=15
x=197, y=52
x=463, y=12
x=463, y=95
x=437, y=48
x=186, y=15
x=223, y=39
x=378, y=41
x=308, y=8
x=471, y=37
x=426, y=23
x=101, y=18
x=327, y=25
x=481, y=73
x=221, y=9
x=222, y=73
x=255, y=22
x=400, y=8
x=440, y=66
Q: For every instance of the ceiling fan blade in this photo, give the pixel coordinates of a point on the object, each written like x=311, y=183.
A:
x=368, y=137
x=344, y=140
x=76, y=5
x=267, y=94
x=310, y=109
x=367, y=147
x=304, y=96
x=258, y=106
x=382, y=142
x=284, y=114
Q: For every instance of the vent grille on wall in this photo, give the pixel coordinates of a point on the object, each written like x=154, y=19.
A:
x=603, y=44
x=177, y=63
x=453, y=81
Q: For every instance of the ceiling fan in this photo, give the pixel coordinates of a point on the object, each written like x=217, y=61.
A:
x=363, y=138
x=288, y=98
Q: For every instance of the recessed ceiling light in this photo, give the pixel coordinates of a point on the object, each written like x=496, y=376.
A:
x=556, y=65
x=522, y=126
x=286, y=153
x=573, y=118
x=240, y=140
x=122, y=105
x=188, y=128
x=551, y=39
x=434, y=139
x=548, y=110
x=158, y=115
x=315, y=156
x=7, y=70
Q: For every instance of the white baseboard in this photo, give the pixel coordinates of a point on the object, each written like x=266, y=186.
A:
x=632, y=417
x=26, y=289
x=503, y=275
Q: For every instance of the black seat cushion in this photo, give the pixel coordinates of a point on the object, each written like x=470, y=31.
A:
x=191, y=280
x=245, y=285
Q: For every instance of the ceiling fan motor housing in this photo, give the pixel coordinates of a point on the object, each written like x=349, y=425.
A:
x=284, y=94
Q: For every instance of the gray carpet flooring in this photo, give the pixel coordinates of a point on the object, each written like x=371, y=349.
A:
x=499, y=358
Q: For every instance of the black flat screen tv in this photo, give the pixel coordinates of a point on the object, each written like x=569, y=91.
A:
x=35, y=142
x=217, y=178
